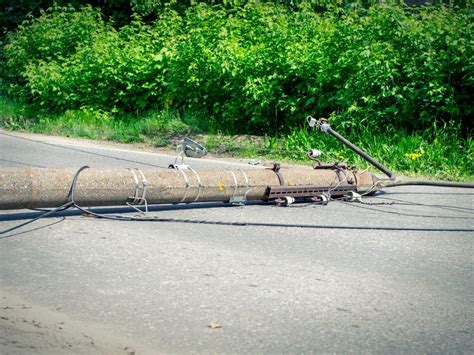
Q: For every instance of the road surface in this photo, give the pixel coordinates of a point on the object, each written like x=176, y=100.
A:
x=396, y=280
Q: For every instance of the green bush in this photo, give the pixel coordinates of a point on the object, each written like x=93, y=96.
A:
x=258, y=68
x=51, y=38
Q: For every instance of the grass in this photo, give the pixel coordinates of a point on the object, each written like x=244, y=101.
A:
x=154, y=128
x=438, y=153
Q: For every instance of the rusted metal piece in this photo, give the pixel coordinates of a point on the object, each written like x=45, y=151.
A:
x=308, y=191
x=276, y=168
x=333, y=166
x=39, y=187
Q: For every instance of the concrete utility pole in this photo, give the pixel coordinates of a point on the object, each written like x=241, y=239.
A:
x=39, y=187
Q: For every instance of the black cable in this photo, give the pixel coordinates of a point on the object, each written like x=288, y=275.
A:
x=72, y=191
x=272, y=225
x=464, y=185
x=46, y=214
x=70, y=202
x=20, y=163
x=445, y=207
x=85, y=151
x=369, y=207
x=34, y=229
x=242, y=224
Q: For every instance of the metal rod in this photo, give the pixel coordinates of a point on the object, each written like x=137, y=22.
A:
x=357, y=150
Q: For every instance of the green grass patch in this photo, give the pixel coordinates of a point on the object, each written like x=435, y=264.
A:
x=439, y=153
x=153, y=128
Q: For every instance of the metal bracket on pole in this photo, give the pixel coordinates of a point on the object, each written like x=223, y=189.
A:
x=182, y=168
x=276, y=168
x=306, y=191
x=239, y=200
x=140, y=186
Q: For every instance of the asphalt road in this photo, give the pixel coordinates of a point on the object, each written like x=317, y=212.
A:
x=405, y=287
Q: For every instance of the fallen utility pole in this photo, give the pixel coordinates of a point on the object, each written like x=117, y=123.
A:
x=63, y=188
x=43, y=187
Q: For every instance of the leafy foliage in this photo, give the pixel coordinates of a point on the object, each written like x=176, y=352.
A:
x=47, y=41
x=257, y=68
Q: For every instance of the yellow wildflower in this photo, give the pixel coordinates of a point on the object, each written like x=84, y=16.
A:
x=415, y=155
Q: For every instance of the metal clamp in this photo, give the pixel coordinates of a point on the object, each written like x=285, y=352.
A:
x=139, y=197
x=182, y=168
x=239, y=200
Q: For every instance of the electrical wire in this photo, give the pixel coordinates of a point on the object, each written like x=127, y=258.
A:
x=84, y=151
x=31, y=230
x=464, y=185
x=315, y=226
x=445, y=207
x=241, y=224
x=70, y=202
x=369, y=207
x=44, y=215
x=266, y=224
x=20, y=163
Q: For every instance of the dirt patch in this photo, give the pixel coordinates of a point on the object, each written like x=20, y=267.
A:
x=27, y=328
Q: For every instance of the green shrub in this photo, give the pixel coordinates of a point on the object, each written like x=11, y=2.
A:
x=116, y=71
x=52, y=37
x=258, y=68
